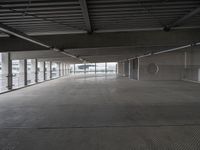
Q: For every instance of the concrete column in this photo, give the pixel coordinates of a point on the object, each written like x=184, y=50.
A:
x=120, y=69
x=21, y=73
x=84, y=68
x=123, y=64
x=134, y=69
x=74, y=69
x=68, y=69
x=50, y=65
x=41, y=69
x=106, y=68
x=126, y=68
x=63, y=64
x=138, y=68
x=63, y=69
x=25, y=73
x=95, y=68
x=7, y=69
x=131, y=69
x=45, y=71
x=59, y=68
x=36, y=70
x=116, y=70
x=33, y=70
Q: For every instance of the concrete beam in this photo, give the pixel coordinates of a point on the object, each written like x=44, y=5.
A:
x=36, y=54
x=11, y=31
x=84, y=8
x=183, y=19
x=120, y=39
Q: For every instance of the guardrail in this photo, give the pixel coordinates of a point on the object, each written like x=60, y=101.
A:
x=3, y=83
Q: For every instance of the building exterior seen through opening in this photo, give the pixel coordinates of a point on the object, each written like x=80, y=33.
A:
x=30, y=71
x=99, y=75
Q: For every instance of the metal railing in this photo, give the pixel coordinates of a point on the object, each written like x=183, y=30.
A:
x=40, y=76
x=18, y=80
x=3, y=83
x=30, y=78
x=55, y=74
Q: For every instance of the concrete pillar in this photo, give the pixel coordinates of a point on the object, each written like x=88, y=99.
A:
x=25, y=73
x=126, y=68
x=41, y=71
x=116, y=70
x=138, y=68
x=44, y=70
x=120, y=69
x=63, y=66
x=95, y=69
x=7, y=69
x=36, y=70
x=66, y=69
x=74, y=69
x=84, y=68
x=59, y=68
x=106, y=68
x=50, y=69
x=21, y=75
x=63, y=69
x=131, y=69
x=33, y=70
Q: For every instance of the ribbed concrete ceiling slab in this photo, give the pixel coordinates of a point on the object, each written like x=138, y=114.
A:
x=65, y=24
x=44, y=16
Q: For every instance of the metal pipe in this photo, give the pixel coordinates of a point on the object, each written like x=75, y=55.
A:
x=172, y=49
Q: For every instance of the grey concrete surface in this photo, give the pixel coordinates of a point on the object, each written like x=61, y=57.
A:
x=101, y=113
x=171, y=66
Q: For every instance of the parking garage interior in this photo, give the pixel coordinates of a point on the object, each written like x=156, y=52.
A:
x=99, y=74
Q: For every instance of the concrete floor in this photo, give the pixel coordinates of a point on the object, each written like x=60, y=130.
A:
x=88, y=113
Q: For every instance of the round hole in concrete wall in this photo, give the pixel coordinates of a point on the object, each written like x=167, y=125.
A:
x=152, y=68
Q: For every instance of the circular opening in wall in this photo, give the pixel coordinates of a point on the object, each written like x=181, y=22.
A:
x=152, y=68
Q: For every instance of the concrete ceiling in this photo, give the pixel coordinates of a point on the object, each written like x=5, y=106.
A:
x=96, y=30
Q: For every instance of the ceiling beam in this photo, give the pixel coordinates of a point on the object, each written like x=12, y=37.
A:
x=86, y=16
x=11, y=31
x=183, y=19
x=104, y=40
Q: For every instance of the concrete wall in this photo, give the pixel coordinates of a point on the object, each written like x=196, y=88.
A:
x=177, y=65
x=192, y=69
x=166, y=66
